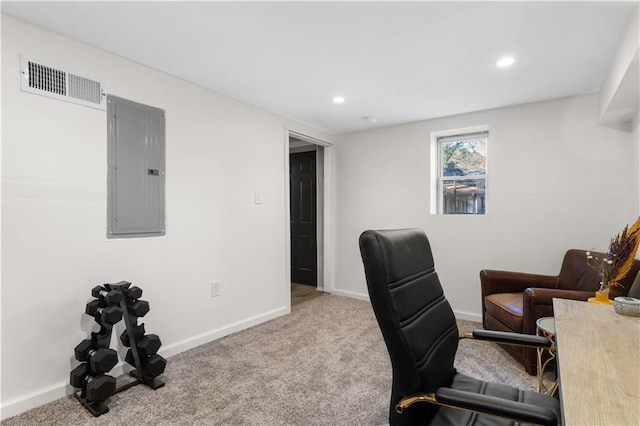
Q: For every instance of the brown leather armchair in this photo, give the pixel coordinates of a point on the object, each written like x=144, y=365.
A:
x=513, y=301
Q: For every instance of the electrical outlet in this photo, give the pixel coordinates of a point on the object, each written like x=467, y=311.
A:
x=215, y=289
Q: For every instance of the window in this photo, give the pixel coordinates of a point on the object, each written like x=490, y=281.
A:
x=462, y=173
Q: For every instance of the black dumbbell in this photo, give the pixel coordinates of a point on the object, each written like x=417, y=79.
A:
x=139, y=308
x=120, y=284
x=104, y=315
x=134, y=293
x=113, y=297
x=97, y=388
x=152, y=366
x=138, y=332
x=100, y=360
x=148, y=345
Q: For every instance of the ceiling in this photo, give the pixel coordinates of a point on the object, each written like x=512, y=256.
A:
x=394, y=61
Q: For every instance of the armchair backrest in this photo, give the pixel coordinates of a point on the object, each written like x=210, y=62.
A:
x=416, y=321
x=575, y=274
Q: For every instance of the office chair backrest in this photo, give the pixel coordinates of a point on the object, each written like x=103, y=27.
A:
x=416, y=321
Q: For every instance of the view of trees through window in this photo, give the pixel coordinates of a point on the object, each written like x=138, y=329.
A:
x=463, y=174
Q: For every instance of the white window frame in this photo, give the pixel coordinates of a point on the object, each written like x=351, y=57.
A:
x=436, y=187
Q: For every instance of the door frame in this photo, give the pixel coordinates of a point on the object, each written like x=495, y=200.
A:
x=324, y=237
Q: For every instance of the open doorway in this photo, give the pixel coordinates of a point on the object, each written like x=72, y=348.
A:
x=306, y=217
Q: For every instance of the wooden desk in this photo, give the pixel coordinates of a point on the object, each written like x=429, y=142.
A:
x=598, y=363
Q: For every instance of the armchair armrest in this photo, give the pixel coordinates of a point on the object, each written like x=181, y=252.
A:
x=495, y=406
x=516, y=339
x=544, y=296
x=493, y=281
x=538, y=302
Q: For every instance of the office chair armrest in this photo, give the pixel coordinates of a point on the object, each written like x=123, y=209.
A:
x=495, y=406
x=516, y=339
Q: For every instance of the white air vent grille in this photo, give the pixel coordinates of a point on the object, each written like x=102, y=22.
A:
x=56, y=83
x=84, y=88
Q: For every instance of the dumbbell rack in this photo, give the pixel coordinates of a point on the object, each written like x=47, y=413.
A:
x=102, y=339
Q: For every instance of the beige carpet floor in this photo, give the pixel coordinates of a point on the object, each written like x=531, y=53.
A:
x=324, y=364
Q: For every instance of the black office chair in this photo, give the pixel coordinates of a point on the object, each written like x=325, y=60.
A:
x=421, y=335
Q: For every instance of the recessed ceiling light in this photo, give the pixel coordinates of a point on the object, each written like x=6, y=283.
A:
x=505, y=62
x=338, y=99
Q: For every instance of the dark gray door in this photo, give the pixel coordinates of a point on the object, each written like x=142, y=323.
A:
x=302, y=168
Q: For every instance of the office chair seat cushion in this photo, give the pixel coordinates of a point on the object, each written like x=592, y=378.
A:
x=506, y=308
x=452, y=416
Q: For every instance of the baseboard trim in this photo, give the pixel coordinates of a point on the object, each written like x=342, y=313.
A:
x=210, y=336
x=17, y=406
x=468, y=316
x=351, y=294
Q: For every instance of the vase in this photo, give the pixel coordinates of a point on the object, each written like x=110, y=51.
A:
x=601, y=297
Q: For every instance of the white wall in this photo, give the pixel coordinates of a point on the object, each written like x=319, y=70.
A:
x=635, y=137
x=618, y=99
x=555, y=181
x=219, y=151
